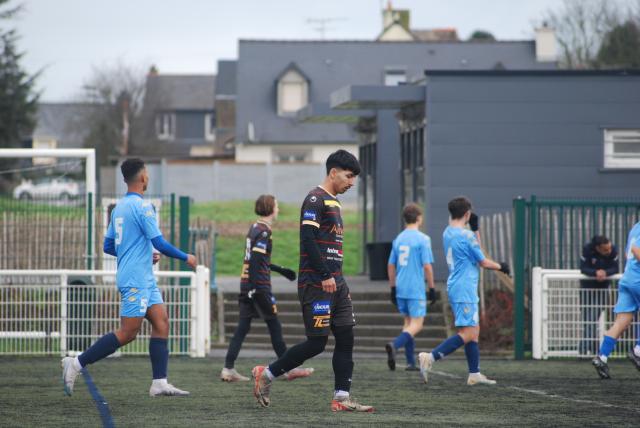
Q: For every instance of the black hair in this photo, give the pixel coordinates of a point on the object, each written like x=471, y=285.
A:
x=130, y=168
x=344, y=160
x=600, y=240
x=458, y=207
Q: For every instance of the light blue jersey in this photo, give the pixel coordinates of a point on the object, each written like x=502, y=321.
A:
x=629, y=285
x=133, y=225
x=410, y=251
x=463, y=254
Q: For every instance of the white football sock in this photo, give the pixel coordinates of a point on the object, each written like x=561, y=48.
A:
x=269, y=374
x=160, y=382
x=603, y=358
x=76, y=364
x=341, y=395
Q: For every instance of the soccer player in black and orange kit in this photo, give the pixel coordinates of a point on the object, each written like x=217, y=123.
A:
x=322, y=290
x=255, y=299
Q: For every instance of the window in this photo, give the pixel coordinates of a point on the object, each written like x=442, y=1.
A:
x=210, y=127
x=291, y=155
x=44, y=143
x=293, y=93
x=622, y=148
x=395, y=76
x=166, y=126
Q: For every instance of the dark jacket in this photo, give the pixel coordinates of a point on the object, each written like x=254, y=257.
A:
x=591, y=261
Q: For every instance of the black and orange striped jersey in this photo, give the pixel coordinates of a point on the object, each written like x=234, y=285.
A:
x=321, y=210
x=257, y=258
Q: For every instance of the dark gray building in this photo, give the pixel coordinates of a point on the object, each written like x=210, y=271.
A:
x=179, y=117
x=283, y=87
x=493, y=136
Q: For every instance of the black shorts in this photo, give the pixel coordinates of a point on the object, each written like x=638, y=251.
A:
x=322, y=310
x=261, y=304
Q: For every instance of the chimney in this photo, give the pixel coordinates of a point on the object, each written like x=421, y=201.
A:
x=153, y=71
x=387, y=15
x=546, y=44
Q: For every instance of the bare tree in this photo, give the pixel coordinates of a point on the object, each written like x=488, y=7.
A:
x=580, y=26
x=113, y=99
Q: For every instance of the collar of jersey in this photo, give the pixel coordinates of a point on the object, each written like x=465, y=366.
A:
x=328, y=193
x=264, y=222
x=134, y=194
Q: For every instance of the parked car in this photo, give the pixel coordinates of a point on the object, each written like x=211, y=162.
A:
x=63, y=189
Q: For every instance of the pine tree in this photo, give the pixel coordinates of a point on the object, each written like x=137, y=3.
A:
x=18, y=99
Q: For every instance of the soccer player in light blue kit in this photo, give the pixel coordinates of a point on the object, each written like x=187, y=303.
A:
x=464, y=255
x=626, y=307
x=409, y=263
x=132, y=234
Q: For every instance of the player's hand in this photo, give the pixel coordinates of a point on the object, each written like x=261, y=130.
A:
x=433, y=297
x=473, y=222
x=329, y=285
x=504, y=268
x=192, y=262
x=392, y=297
x=156, y=258
x=601, y=275
x=286, y=272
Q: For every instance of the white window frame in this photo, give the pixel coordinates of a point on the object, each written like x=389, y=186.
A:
x=166, y=126
x=614, y=137
x=290, y=79
x=291, y=155
x=209, y=128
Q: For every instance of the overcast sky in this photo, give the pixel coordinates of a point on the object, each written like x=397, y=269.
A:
x=66, y=38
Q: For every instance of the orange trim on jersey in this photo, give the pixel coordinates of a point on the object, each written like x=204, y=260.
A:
x=311, y=223
x=259, y=250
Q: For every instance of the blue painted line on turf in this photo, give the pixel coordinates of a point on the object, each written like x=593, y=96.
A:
x=101, y=403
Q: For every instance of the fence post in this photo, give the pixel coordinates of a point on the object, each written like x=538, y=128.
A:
x=203, y=318
x=89, y=263
x=172, y=228
x=184, y=282
x=536, y=312
x=519, y=205
x=63, y=313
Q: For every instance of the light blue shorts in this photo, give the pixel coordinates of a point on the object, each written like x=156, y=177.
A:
x=413, y=308
x=135, y=301
x=628, y=298
x=466, y=314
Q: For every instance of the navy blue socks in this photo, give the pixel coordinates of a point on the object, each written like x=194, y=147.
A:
x=447, y=347
x=105, y=346
x=401, y=340
x=472, y=353
x=409, y=352
x=159, y=355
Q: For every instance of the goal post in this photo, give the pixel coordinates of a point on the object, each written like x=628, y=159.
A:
x=570, y=321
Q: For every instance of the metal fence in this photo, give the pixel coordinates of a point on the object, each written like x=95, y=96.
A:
x=569, y=321
x=49, y=312
x=550, y=233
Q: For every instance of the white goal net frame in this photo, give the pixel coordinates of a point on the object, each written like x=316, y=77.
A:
x=570, y=321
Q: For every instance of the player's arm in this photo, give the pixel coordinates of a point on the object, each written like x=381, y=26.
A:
x=147, y=220
x=476, y=250
x=258, y=256
x=427, y=263
x=109, y=245
x=392, y=273
x=290, y=274
x=309, y=228
x=636, y=252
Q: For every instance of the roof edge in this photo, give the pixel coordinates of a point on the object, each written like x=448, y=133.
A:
x=620, y=72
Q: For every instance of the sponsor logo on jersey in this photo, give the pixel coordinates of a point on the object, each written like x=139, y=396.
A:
x=309, y=215
x=321, y=307
x=334, y=251
x=313, y=199
x=262, y=245
x=337, y=229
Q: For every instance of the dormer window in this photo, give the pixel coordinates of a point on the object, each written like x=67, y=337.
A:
x=165, y=126
x=293, y=91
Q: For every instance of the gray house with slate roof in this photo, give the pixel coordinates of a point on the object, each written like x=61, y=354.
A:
x=283, y=87
x=179, y=117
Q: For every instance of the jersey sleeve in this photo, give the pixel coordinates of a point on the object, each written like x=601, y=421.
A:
x=148, y=222
x=393, y=256
x=312, y=211
x=261, y=243
x=475, y=252
x=111, y=232
x=427, y=253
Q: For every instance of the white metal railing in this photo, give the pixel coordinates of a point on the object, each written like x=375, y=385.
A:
x=45, y=312
x=569, y=321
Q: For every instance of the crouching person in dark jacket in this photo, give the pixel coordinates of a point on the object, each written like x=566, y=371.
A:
x=599, y=260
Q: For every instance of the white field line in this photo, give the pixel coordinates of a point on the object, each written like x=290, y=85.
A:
x=546, y=394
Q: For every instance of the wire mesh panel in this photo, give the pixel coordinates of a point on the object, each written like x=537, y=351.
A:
x=570, y=321
x=55, y=312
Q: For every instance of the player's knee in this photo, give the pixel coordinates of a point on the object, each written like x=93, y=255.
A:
x=127, y=335
x=316, y=344
x=344, y=337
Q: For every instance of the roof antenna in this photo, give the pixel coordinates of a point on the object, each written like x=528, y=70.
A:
x=320, y=24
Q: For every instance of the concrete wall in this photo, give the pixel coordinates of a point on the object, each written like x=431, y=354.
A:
x=218, y=181
x=260, y=153
x=496, y=137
